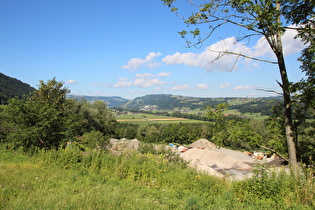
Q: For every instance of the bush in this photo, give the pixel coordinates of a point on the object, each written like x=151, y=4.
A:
x=94, y=139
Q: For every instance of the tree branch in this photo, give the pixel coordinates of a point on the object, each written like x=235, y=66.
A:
x=271, y=91
x=274, y=152
x=222, y=53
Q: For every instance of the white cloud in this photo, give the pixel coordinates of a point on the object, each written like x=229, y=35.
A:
x=291, y=45
x=241, y=87
x=164, y=74
x=262, y=49
x=122, y=82
x=225, y=86
x=147, y=83
x=144, y=76
x=136, y=63
x=182, y=87
x=209, y=61
x=71, y=81
x=141, y=80
x=202, y=86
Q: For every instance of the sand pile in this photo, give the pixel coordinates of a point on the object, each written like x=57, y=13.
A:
x=214, y=159
x=203, y=144
x=207, y=157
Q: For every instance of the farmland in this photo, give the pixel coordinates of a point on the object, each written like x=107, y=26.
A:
x=152, y=118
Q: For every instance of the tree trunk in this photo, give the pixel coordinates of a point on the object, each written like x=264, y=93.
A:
x=275, y=43
x=287, y=113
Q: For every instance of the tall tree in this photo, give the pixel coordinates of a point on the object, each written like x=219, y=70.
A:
x=258, y=17
x=42, y=120
x=301, y=13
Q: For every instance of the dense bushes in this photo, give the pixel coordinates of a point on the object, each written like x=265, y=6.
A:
x=46, y=119
x=182, y=133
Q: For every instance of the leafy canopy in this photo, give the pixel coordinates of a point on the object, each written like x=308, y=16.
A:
x=41, y=120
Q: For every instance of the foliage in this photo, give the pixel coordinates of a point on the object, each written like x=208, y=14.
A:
x=306, y=145
x=182, y=133
x=274, y=184
x=93, y=116
x=41, y=120
x=302, y=13
x=302, y=126
x=4, y=123
x=94, y=139
x=230, y=132
x=47, y=119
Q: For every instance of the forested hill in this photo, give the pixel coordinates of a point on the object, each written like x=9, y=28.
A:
x=168, y=102
x=171, y=102
x=112, y=101
x=11, y=87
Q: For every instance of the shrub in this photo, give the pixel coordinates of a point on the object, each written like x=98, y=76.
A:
x=94, y=139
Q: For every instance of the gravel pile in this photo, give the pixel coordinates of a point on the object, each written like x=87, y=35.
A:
x=207, y=157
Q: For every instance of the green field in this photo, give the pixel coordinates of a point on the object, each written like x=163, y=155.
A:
x=151, y=118
x=255, y=116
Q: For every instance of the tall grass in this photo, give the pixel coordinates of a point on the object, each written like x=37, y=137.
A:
x=72, y=179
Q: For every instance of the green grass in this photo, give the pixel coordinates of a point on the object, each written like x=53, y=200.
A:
x=142, y=118
x=151, y=118
x=71, y=179
x=256, y=116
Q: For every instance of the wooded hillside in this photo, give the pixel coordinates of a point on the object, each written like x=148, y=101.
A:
x=111, y=101
x=11, y=87
x=167, y=102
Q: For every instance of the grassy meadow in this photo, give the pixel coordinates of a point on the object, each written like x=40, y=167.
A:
x=151, y=118
x=72, y=179
x=144, y=118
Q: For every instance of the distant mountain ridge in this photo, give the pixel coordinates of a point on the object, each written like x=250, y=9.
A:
x=11, y=87
x=168, y=102
x=112, y=101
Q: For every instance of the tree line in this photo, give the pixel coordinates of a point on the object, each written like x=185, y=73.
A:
x=46, y=119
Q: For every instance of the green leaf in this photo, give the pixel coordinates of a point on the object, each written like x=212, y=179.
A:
x=174, y=9
x=183, y=33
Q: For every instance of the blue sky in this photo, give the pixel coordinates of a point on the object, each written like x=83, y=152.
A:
x=129, y=49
